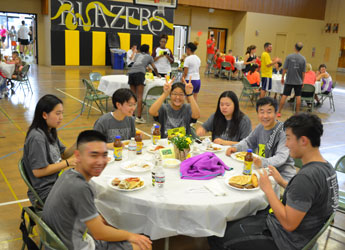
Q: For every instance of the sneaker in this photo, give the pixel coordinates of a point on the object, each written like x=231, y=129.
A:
x=140, y=120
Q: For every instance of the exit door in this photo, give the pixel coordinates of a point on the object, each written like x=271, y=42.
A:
x=220, y=36
x=280, y=47
x=341, y=60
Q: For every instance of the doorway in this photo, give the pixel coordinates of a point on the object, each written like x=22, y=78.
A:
x=220, y=36
x=341, y=60
x=280, y=46
x=181, y=35
x=9, y=19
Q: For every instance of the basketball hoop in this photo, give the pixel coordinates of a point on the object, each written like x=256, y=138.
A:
x=160, y=9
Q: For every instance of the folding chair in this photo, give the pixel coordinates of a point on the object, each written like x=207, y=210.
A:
x=95, y=77
x=152, y=95
x=23, y=81
x=47, y=237
x=248, y=91
x=223, y=70
x=340, y=167
x=323, y=97
x=91, y=95
x=307, y=88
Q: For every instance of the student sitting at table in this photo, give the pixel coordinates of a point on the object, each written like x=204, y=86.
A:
x=44, y=154
x=121, y=121
x=15, y=54
x=268, y=138
x=309, y=199
x=70, y=209
x=136, y=77
x=231, y=59
x=326, y=79
x=228, y=124
x=219, y=58
x=253, y=76
x=177, y=113
x=277, y=68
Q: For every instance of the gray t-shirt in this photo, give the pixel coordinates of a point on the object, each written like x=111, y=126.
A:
x=110, y=127
x=295, y=65
x=273, y=152
x=69, y=205
x=313, y=190
x=245, y=128
x=141, y=61
x=39, y=153
x=170, y=118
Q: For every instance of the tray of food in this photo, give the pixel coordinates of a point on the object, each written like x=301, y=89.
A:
x=243, y=182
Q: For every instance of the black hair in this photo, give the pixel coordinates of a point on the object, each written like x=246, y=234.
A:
x=322, y=66
x=46, y=104
x=230, y=51
x=250, y=48
x=219, y=121
x=212, y=34
x=163, y=36
x=267, y=100
x=144, y=48
x=90, y=136
x=306, y=124
x=192, y=47
x=298, y=46
x=267, y=44
x=23, y=22
x=178, y=85
x=122, y=95
x=15, y=52
x=279, y=64
x=253, y=67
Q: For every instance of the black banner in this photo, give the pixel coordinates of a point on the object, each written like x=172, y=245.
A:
x=110, y=16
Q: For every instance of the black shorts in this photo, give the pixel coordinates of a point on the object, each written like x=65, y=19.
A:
x=3, y=38
x=136, y=79
x=24, y=41
x=266, y=83
x=289, y=87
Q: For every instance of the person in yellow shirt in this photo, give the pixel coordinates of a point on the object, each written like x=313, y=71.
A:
x=266, y=69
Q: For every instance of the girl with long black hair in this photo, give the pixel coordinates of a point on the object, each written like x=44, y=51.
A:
x=228, y=124
x=44, y=154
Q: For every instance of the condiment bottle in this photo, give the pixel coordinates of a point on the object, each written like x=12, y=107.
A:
x=117, y=148
x=156, y=135
x=248, y=162
x=139, y=140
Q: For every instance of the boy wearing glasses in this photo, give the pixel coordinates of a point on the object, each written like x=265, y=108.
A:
x=121, y=121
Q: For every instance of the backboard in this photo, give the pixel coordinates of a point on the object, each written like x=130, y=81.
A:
x=158, y=3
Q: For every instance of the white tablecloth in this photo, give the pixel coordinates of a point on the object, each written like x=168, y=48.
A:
x=110, y=83
x=240, y=65
x=278, y=87
x=187, y=208
x=7, y=69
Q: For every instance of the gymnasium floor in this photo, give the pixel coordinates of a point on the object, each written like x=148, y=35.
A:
x=16, y=114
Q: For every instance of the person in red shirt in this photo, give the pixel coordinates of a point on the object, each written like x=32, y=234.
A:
x=219, y=59
x=211, y=42
x=231, y=59
x=253, y=76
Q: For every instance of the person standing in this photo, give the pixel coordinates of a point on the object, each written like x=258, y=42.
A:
x=294, y=68
x=23, y=38
x=13, y=37
x=3, y=34
x=163, y=57
x=210, y=52
x=266, y=69
x=131, y=55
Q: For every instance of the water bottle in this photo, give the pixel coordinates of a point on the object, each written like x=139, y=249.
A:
x=155, y=168
x=153, y=128
x=160, y=180
x=132, y=148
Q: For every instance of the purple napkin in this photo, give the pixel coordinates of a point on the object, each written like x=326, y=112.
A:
x=202, y=167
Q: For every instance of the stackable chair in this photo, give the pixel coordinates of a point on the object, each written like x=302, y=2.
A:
x=92, y=95
x=152, y=95
x=224, y=71
x=307, y=88
x=248, y=91
x=323, y=97
x=24, y=82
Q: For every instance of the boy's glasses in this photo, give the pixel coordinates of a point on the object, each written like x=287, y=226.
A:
x=175, y=94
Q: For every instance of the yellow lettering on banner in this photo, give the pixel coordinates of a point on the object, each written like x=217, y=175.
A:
x=71, y=47
x=147, y=39
x=170, y=43
x=98, y=47
x=125, y=41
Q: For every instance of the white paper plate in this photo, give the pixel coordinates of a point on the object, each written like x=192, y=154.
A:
x=136, y=166
x=226, y=181
x=233, y=156
x=122, y=178
x=219, y=147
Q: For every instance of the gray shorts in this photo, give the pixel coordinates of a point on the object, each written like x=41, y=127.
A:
x=106, y=245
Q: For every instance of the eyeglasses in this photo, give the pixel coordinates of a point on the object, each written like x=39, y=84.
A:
x=132, y=105
x=179, y=95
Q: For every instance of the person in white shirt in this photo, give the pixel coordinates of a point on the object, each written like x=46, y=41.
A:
x=191, y=68
x=163, y=57
x=131, y=55
x=23, y=38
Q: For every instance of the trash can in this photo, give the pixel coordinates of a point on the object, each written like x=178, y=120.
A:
x=117, y=56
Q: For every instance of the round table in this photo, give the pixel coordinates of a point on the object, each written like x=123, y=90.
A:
x=110, y=83
x=278, y=87
x=240, y=65
x=7, y=69
x=186, y=208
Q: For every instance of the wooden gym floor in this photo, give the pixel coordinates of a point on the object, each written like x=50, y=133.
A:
x=16, y=113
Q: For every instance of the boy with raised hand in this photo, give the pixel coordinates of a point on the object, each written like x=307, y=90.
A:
x=268, y=138
x=310, y=197
x=70, y=209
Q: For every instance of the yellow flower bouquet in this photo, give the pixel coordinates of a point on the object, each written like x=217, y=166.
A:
x=182, y=145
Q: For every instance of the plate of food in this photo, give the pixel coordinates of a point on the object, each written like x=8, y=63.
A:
x=154, y=148
x=127, y=183
x=214, y=148
x=243, y=182
x=239, y=156
x=136, y=166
